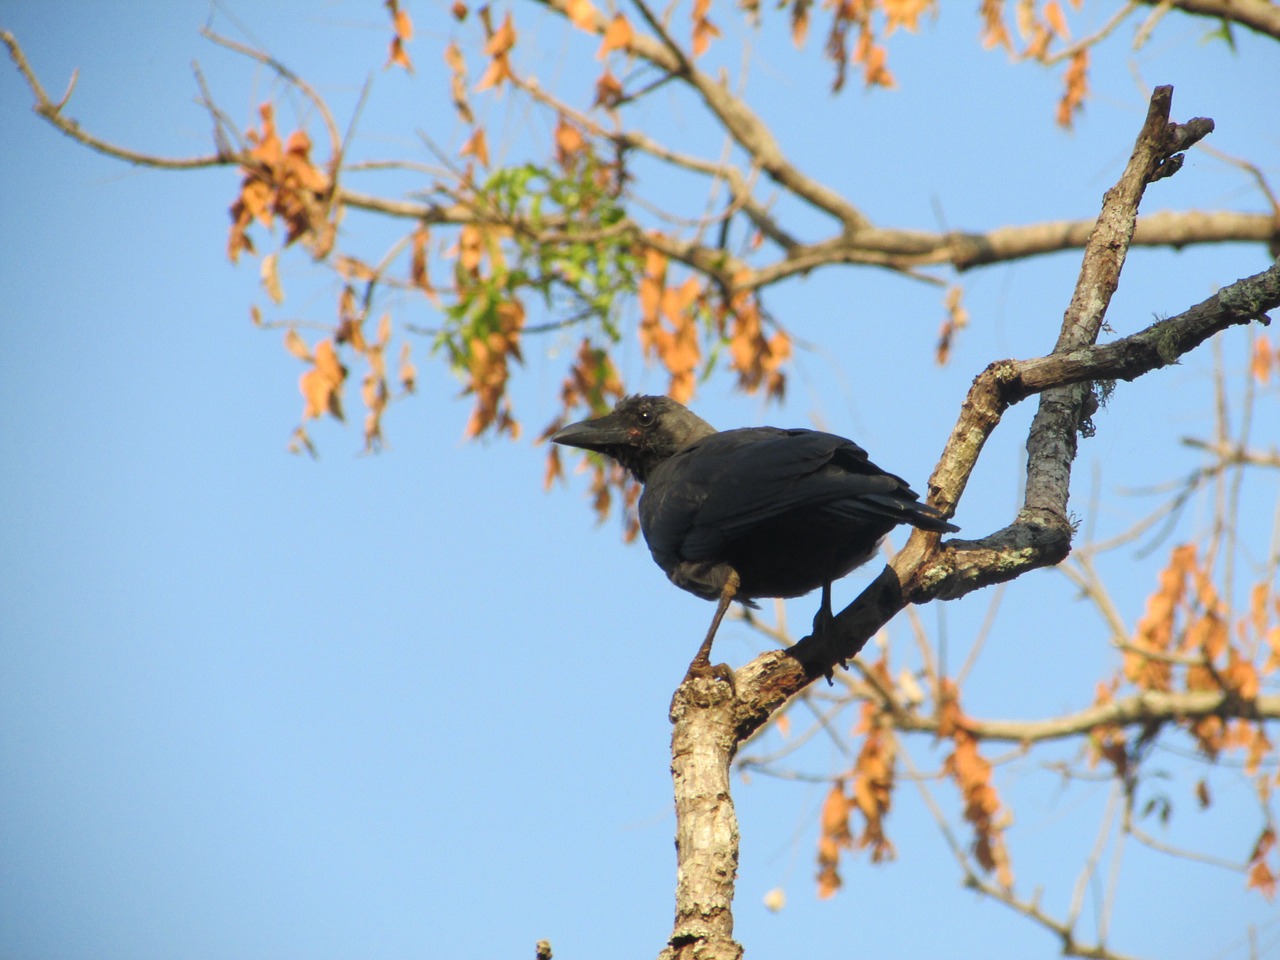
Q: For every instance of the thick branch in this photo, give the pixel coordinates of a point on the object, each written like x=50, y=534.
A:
x=1262, y=16
x=1041, y=534
x=702, y=747
x=1150, y=707
x=1051, y=443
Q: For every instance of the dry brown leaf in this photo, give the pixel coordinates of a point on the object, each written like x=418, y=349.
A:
x=408, y=372
x=271, y=278
x=799, y=23
x=327, y=362
x=503, y=39
x=477, y=146
x=317, y=392
x=353, y=268
x=994, y=31
x=617, y=36
x=608, y=91
x=297, y=346
x=1057, y=20
x=1076, y=88
x=905, y=13
x=1202, y=794
x=1263, y=361
x=569, y=141
x=404, y=25
x=397, y=56
x=704, y=31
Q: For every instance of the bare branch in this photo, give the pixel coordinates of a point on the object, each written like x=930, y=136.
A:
x=52, y=112
x=1065, y=931
x=259, y=56
x=1261, y=16
x=1147, y=708
x=742, y=123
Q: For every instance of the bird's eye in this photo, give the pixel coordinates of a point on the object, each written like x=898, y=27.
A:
x=645, y=417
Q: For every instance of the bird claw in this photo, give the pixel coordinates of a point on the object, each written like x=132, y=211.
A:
x=706, y=671
x=822, y=623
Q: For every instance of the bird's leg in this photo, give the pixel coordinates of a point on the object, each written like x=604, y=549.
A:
x=823, y=619
x=701, y=664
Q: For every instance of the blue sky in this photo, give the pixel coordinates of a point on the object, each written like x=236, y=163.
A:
x=258, y=706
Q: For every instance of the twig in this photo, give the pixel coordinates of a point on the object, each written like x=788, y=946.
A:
x=53, y=113
x=260, y=56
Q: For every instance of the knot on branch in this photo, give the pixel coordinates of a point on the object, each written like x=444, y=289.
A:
x=1177, y=138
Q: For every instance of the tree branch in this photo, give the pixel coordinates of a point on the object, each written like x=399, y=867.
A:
x=52, y=112
x=1261, y=16
x=1041, y=534
x=742, y=123
x=1147, y=708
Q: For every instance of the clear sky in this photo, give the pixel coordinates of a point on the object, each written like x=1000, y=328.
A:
x=258, y=706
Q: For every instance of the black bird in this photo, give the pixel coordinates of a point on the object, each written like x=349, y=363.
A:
x=754, y=512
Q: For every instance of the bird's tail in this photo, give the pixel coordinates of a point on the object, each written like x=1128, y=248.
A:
x=915, y=512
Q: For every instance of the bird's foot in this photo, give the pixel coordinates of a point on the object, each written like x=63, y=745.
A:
x=824, y=631
x=703, y=669
x=823, y=621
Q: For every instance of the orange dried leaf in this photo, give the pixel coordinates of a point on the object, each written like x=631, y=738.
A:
x=1057, y=20
x=704, y=31
x=1258, y=597
x=783, y=725
x=297, y=346
x=271, y=278
x=327, y=362
x=477, y=146
x=317, y=392
x=1273, y=645
x=569, y=140
x=994, y=31
x=608, y=91
x=503, y=39
x=408, y=372
x=799, y=24
x=498, y=71
x=828, y=882
x=397, y=56
x=617, y=36
x=904, y=13
x=1024, y=18
x=404, y=25
x=1202, y=794
x=1263, y=360
x=353, y=268
x=582, y=15
x=1076, y=88
x=1261, y=878
x=834, y=821
x=454, y=59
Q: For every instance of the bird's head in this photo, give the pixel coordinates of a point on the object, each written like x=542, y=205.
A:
x=640, y=433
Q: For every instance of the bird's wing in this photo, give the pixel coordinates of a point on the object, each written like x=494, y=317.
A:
x=724, y=485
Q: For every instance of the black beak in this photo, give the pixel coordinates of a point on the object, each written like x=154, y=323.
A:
x=601, y=434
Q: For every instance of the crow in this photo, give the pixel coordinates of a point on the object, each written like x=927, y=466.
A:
x=753, y=512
